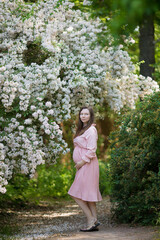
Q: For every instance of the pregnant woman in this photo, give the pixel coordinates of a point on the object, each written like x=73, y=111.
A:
x=85, y=188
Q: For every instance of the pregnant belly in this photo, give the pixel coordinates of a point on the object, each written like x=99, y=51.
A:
x=77, y=154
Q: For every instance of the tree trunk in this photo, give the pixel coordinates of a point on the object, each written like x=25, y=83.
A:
x=147, y=46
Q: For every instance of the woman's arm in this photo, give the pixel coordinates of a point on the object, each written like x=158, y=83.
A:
x=91, y=137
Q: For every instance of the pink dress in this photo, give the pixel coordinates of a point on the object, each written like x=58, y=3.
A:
x=86, y=182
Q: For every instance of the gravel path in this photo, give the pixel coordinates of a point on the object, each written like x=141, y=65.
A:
x=62, y=221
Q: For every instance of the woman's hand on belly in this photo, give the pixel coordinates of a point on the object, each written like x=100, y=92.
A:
x=79, y=164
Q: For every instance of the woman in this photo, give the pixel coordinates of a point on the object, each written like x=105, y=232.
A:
x=85, y=188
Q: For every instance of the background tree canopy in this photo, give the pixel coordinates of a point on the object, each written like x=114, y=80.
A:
x=123, y=17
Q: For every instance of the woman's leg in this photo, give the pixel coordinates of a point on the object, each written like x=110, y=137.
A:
x=92, y=207
x=84, y=206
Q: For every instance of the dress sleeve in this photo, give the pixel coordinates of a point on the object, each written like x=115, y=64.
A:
x=91, y=137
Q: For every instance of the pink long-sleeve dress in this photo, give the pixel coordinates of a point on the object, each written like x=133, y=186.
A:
x=86, y=182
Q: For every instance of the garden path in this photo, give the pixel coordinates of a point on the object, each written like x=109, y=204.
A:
x=61, y=220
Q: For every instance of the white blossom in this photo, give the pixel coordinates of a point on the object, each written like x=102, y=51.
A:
x=28, y=121
x=76, y=72
x=48, y=104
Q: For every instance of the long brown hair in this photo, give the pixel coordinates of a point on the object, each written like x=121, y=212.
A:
x=80, y=129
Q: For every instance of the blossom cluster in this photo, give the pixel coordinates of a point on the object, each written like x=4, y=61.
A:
x=119, y=63
x=36, y=98
x=125, y=91
x=123, y=86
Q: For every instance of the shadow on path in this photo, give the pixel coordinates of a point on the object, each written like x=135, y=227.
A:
x=62, y=221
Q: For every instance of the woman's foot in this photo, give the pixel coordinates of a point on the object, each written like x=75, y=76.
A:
x=96, y=224
x=91, y=226
x=93, y=229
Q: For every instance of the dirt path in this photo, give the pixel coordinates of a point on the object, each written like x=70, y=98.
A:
x=115, y=233
x=62, y=221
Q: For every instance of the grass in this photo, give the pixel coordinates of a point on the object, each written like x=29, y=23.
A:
x=7, y=232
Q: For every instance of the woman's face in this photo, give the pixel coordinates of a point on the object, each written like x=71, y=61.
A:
x=85, y=116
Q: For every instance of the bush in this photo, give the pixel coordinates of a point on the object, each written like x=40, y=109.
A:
x=51, y=182
x=104, y=179
x=135, y=164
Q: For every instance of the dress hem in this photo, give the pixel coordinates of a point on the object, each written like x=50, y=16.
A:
x=85, y=199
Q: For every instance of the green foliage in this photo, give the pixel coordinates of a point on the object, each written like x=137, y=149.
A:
x=105, y=178
x=49, y=182
x=135, y=164
x=35, y=53
x=17, y=189
x=125, y=15
x=54, y=181
x=6, y=232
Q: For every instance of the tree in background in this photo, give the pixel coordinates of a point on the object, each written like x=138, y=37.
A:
x=124, y=16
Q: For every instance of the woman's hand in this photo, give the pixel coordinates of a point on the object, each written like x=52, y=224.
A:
x=79, y=164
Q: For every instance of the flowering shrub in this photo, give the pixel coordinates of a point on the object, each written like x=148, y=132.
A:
x=37, y=95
